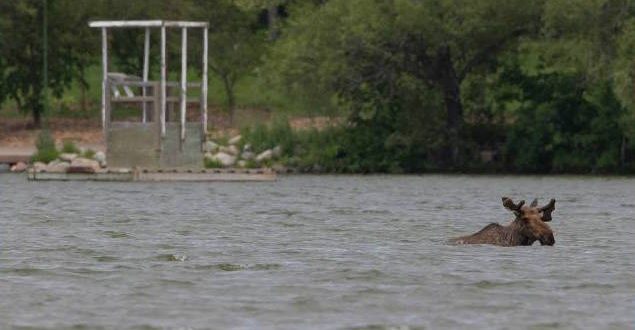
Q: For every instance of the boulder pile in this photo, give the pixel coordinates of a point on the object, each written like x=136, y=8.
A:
x=237, y=154
x=72, y=163
x=19, y=167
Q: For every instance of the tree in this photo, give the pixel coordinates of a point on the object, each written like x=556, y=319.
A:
x=363, y=47
x=445, y=41
x=126, y=47
x=595, y=38
x=22, y=53
x=272, y=9
x=236, y=43
x=84, y=43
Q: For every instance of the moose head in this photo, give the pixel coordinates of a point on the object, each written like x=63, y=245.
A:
x=531, y=221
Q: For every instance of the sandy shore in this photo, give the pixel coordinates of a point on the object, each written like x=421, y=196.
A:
x=17, y=137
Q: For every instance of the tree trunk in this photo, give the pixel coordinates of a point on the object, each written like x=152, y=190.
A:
x=272, y=12
x=451, y=87
x=34, y=102
x=623, y=153
x=37, y=118
x=82, y=90
x=231, y=100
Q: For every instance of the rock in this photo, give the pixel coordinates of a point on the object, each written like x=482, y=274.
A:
x=83, y=165
x=39, y=167
x=67, y=157
x=19, y=167
x=248, y=155
x=235, y=140
x=242, y=163
x=265, y=155
x=56, y=167
x=100, y=157
x=247, y=147
x=277, y=151
x=225, y=159
x=210, y=146
x=232, y=150
x=208, y=155
x=56, y=161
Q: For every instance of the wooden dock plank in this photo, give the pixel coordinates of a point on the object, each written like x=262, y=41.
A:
x=163, y=175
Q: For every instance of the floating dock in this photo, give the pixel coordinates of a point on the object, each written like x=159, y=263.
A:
x=159, y=175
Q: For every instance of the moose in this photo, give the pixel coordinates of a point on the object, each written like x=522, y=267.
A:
x=528, y=227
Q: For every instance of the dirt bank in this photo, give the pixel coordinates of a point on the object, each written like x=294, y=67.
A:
x=16, y=133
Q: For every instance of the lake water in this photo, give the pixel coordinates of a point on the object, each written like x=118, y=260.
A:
x=313, y=252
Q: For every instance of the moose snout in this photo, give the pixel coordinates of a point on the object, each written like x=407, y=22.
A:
x=547, y=240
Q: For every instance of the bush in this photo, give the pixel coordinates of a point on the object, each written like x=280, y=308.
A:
x=69, y=147
x=263, y=137
x=89, y=153
x=46, y=151
x=212, y=163
x=45, y=156
x=565, y=127
x=251, y=164
x=361, y=148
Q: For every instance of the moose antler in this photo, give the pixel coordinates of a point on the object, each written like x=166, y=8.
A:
x=547, y=209
x=508, y=203
x=534, y=203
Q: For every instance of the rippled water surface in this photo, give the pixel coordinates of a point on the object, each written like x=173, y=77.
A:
x=312, y=252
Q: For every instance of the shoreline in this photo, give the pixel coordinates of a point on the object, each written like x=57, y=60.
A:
x=17, y=144
x=5, y=169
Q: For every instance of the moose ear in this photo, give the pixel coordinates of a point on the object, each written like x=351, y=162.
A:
x=547, y=209
x=508, y=203
x=534, y=203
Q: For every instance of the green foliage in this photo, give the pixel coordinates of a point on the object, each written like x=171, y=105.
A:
x=235, y=42
x=22, y=52
x=338, y=149
x=127, y=44
x=375, y=61
x=222, y=140
x=263, y=137
x=251, y=164
x=563, y=126
x=69, y=147
x=45, y=156
x=46, y=150
x=88, y=153
x=547, y=86
x=212, y=163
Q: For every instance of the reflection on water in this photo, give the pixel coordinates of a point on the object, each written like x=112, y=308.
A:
x=312, y=252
